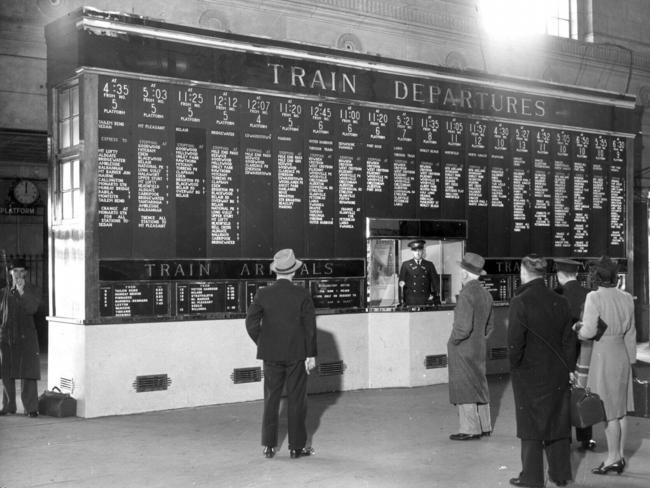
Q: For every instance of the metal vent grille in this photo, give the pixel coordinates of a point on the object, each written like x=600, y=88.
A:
x=331, y=369
x=66, y=384
x=153, y=382
x=246, y=375
x=433, y=362
x=498, y=353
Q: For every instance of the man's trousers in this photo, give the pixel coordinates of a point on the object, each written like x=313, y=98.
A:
x=558, y=456
x=28, y=394
x=474, y=418
x=276, y=373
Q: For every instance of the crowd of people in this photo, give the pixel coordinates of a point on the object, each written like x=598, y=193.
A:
x=555, y=337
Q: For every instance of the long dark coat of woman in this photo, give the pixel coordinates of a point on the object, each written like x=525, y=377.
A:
x=466, y=349
x=18, y=337
x=540, y=380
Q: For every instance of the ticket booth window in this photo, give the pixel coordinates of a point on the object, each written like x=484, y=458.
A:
x=388, y=247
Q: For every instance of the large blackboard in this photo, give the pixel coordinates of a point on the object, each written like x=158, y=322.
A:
x=187, y=172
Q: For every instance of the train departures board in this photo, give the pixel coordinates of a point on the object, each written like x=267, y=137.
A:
x=212, y=148
x=234, y=174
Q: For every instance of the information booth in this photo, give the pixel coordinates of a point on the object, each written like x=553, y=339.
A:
x=183, y=158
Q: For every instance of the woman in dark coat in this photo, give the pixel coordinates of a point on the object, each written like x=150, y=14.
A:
x=19, y=352
x=541, y=345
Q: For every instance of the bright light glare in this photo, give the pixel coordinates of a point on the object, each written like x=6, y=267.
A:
x=512, y=19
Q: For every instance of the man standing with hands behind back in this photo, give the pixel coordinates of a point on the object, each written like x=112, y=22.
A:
x=282, y=322
x=466, y=352
x=19, y=351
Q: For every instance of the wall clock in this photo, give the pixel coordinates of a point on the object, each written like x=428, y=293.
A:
x=25, y=192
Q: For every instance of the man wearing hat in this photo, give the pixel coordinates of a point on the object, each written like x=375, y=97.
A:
x=567, y=272
x=466, y=352
x=282, y=322
x=19, y=352
x=418, y=278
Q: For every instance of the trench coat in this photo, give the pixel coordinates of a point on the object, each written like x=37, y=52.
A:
x=540, y=377
x=19, y=351
x=466, y=348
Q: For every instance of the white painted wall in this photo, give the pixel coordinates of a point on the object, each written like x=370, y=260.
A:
x=378, y=350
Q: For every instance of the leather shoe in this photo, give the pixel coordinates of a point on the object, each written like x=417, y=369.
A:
x=32, y=414
x=518, y=482
x=269, y=451
x=464, y=437
x=486, y=433
x=296, y=453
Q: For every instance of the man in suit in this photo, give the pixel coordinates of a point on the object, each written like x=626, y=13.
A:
x=282, y=322
x=466, y=352
x=541, y=346
x=418, y=278
x=567, y=272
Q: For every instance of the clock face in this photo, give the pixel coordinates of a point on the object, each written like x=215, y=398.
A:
x=25, y=192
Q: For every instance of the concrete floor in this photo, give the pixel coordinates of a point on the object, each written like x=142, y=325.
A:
x=370, y=438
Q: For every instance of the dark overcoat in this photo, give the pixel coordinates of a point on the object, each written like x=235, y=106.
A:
x=420, y=281
x=540, y=377
x=19, y=351
x=576, y=294
x=466, y=348
x=282, y=322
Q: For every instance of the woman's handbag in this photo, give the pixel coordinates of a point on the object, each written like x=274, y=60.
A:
x=57, y=404
x=587, y=408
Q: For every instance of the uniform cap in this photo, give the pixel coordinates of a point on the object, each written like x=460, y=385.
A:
x=567, y=265
x=417, y=244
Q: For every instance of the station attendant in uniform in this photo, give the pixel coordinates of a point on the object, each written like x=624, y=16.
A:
x=418, y=278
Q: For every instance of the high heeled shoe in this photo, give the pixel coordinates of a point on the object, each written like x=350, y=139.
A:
x=616, y=467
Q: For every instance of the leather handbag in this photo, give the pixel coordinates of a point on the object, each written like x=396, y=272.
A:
x=55, y=403
x=587, y=408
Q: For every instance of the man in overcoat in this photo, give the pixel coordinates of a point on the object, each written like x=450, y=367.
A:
x=541, y=347
x=566, y=271
x=466, y=352
x=281, y=321
x=418, y=278
x=19, y=351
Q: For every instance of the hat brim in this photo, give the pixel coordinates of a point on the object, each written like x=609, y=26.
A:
x=472, y=269
x=297, y=265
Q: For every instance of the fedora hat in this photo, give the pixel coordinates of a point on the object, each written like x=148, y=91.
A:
x=473, y=263
x=284, y=262
x=17, y=263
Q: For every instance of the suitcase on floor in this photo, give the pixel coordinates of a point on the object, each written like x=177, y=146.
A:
x=641, y=390
x=57, y=404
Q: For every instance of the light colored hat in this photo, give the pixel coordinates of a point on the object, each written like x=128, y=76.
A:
x=284, y=262
x=473, y=263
